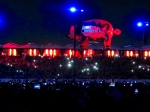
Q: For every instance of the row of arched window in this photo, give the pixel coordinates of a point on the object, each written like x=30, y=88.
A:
x=79, y=53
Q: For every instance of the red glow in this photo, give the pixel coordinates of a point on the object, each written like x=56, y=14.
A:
x=70, y=53
x=12, y=52
x=111, y=53
x=88, y=53
x=34, y=52
x=51, y=52
x=146, y=53
x=46, y=52
x=131, y=53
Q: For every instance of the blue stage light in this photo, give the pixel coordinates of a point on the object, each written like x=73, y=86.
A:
x=73, y=9
x=146, y=24
x=82, y=10
x=139, y=24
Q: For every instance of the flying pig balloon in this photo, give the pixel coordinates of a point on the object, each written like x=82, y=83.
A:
x=95, y=30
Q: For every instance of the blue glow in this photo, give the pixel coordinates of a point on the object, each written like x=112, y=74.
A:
x=87, y=27
x=139, y=24
x=82, y=10
x=2, y=22
x=146, y=24
x=73, y=9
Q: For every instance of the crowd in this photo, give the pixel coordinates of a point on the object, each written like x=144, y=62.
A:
x=75, y=96
x=83, y=96
x=63, y=67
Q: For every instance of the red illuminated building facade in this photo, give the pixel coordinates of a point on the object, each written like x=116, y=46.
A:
x=54, y=50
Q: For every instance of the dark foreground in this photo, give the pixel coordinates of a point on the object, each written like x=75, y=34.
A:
x=80, y=96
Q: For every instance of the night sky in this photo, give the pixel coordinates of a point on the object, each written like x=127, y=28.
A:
x=48, y=21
